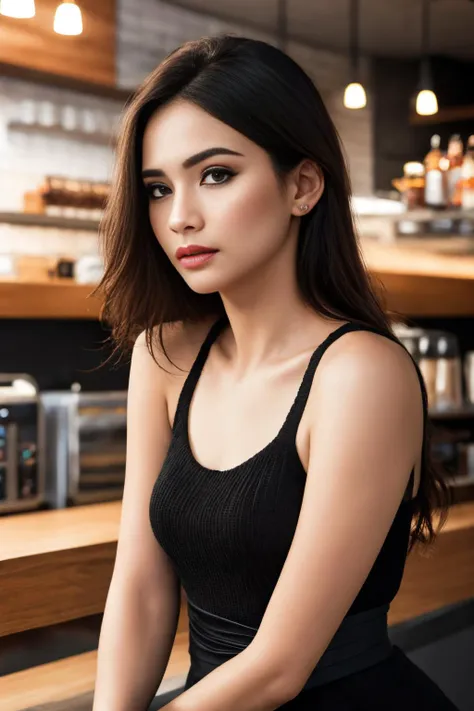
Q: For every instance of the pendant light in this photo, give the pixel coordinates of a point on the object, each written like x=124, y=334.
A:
x=426, y=101
x=354, y=94
x=68, y=19
x=20, y=9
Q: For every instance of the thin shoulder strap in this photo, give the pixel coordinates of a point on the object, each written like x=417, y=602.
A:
x=195, y=371
x=292, y=421
x=290, y=426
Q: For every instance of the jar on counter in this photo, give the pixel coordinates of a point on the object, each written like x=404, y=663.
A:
x=412, y=185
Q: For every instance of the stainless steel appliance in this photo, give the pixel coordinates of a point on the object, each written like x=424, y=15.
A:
x=22, y=475
x=438, y=356
x=85, y=446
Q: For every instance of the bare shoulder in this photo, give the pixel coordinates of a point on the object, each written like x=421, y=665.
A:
x=366, y=354
x=368, y=365
x=171, y=349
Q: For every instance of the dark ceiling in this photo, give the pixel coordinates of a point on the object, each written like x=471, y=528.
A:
x=390, y=28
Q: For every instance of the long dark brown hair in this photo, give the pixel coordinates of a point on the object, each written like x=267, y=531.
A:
x=261, y=92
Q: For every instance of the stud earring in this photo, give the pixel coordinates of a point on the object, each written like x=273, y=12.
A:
x=303, y=207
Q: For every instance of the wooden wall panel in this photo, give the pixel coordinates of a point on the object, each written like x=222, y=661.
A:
x=90, y=57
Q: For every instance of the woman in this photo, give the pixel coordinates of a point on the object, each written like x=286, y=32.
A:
x=288, y=539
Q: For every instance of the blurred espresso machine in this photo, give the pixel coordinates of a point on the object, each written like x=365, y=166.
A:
x=438, y=357
x=22, y=474
x=85, y=446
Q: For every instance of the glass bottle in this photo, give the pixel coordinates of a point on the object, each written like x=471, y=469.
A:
x=467, y=176
x=455, y=158
x=435, y=176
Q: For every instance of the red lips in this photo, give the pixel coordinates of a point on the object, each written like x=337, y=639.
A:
x=193, y=249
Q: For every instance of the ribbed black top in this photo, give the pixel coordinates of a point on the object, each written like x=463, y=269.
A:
x=228, y=533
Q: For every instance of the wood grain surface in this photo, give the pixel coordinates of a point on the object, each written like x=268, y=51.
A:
x=90, y=57
x=441, y=575
x=57, y=565
x=53, y=299
x=412, y=281
x=49, y=588
x=75, y=676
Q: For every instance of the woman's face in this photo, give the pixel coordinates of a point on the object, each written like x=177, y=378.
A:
x=229, y=201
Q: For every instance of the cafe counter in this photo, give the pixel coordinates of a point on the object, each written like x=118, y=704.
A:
x=56, y=566
x=415, y=280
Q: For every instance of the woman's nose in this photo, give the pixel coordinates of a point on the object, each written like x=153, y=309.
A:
x=184, y=216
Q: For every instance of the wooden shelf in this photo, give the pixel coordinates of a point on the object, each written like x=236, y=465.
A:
x=63, y=223
x=445, y=114
x=38, y=76
x=419, y=282
x=414, y=282
x=56, y=299
x=425, y=214
x=102, y=139
x=466, y=411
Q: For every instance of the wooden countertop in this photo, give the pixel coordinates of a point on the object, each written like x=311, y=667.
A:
x=413, y=257
x=57, y=298
x=42, y=532
x=417, y=282
x=57, y=565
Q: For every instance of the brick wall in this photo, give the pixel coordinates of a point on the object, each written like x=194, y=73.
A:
x=25, y=158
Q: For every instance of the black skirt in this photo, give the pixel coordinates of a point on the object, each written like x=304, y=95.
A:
x=395, y=684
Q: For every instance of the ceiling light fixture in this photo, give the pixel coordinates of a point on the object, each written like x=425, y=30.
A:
x=354, y=94
x=68, y=19
x=20, y=9
x=426, y=101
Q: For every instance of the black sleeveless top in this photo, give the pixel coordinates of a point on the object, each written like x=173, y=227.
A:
x=227, y=533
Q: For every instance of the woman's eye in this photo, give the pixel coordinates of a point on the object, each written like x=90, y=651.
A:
x=217, y=175
x=153, y=190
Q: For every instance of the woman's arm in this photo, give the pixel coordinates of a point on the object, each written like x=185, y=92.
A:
x=366, y=418
x=143, y=601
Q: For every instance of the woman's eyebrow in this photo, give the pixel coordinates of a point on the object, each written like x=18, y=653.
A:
x=192, y=161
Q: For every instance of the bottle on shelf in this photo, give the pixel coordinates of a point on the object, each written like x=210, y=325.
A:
x=436, y=164
x=467, y=176
x=455, y=158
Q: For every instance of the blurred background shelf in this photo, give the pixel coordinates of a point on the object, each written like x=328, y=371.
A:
x=446, y=114
x=466, y=411
x=102, y=139
x=56, y=299
x=37, y=220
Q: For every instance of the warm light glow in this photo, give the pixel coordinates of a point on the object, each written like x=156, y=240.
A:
x=68, y=19
x=21, y=9
x=444, y=163
x=426, y=103
x=354, y=96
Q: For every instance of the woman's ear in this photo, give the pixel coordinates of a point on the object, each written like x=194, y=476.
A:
x=307, y=186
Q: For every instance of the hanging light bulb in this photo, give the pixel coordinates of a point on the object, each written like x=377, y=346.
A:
x=21, y=9
x=426, y=101
x=68, y=19
x=354, y=94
